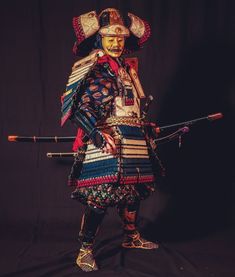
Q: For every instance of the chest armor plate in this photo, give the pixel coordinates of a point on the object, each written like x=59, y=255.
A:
x=127, y=103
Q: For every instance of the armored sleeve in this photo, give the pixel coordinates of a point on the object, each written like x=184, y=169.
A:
x=94, y=103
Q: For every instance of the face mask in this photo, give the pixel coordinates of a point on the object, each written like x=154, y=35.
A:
x=113, y=45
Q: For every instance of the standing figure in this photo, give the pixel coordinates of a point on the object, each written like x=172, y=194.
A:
x=114, y=166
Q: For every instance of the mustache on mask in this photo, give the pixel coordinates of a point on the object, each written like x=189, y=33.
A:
x=115, y=50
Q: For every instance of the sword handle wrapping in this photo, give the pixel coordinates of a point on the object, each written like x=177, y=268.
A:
x=62, y=155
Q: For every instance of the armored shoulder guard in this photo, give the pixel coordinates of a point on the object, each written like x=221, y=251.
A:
x=79, y=72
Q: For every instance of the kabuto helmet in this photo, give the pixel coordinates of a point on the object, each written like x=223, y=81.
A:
x=109, y=23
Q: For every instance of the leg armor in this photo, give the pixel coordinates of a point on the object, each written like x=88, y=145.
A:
x=132, y=238
x=91, y=221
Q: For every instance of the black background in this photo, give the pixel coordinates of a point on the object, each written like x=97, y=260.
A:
x=188, y=66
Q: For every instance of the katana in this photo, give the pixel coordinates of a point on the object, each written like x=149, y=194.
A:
x=177, y=134
x=40, y=139
x=62, y=155
x=172, y=136
x=210, y=117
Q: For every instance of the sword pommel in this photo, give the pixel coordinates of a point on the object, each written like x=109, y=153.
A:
x=12, y=138
x=215, y=116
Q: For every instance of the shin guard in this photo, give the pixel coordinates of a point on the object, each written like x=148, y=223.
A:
x=91, y=221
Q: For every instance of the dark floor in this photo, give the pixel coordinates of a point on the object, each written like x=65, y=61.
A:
x=50, y=249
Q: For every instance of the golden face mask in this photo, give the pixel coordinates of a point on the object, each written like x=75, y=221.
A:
x=113, y=45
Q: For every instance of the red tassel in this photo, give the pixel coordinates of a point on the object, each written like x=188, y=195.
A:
x=78, y=141
x=106, y=59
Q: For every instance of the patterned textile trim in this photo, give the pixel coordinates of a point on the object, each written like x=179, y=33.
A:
x=97, y=180
x=114, y=179
x=113, y=120
x=110, y=195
